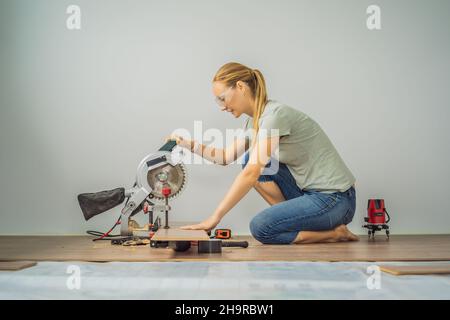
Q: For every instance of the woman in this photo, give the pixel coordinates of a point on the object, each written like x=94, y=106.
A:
x=311, y=195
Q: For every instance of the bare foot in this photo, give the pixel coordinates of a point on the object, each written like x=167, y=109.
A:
x=343, y=234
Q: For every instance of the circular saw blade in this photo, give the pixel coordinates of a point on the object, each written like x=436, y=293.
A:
x=167, y=175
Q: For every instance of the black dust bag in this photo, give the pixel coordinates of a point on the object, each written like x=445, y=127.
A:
x=95, y=203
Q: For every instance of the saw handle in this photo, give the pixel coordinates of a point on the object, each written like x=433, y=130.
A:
x=241, y=244
x=168, y=146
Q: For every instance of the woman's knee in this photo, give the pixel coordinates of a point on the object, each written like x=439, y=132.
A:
x=260, y=228
x=263, y=232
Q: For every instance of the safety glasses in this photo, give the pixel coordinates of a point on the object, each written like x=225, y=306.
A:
x=224, y=97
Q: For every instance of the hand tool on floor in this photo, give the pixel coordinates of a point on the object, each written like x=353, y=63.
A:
x=207, y=246
x=376, y=217
x=216, y=245
x=181, y=240
x=177, y=239
x=161, y=176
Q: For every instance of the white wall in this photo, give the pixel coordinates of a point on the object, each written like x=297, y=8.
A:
x=79, y=109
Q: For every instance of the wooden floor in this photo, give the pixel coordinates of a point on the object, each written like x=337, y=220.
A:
x=81, y=248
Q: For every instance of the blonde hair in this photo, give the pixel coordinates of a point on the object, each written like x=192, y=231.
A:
x=233, y=72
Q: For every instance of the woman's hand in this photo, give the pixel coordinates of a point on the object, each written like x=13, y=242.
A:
x=206, y=225
x=182, y=142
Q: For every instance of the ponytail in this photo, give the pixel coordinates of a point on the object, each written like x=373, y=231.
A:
x=260, y=96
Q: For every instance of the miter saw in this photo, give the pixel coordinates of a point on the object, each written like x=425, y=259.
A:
x=160, y=177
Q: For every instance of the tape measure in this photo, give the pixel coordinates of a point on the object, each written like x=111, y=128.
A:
x=222, y=233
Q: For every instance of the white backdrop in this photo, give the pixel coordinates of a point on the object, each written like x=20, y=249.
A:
x=81, y=108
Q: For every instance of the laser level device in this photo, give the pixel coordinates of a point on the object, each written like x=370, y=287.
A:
x=376, y=217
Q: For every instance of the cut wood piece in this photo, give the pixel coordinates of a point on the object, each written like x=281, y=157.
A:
x=416, y=270
x=175, y=234
x=16, y=265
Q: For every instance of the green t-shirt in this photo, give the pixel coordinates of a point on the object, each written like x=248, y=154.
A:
x=305, y=149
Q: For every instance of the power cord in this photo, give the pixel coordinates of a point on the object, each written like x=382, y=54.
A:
x=106, y=235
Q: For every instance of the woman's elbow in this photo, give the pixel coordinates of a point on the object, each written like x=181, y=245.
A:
x=251, y=172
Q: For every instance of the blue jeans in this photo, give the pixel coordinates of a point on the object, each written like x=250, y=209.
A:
x=303, y=210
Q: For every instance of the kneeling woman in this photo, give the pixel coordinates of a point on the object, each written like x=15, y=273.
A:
x=309, y=188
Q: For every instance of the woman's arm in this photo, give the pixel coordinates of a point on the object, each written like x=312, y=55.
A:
x=216, y=155
x=222, y=156
x=259, y=157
